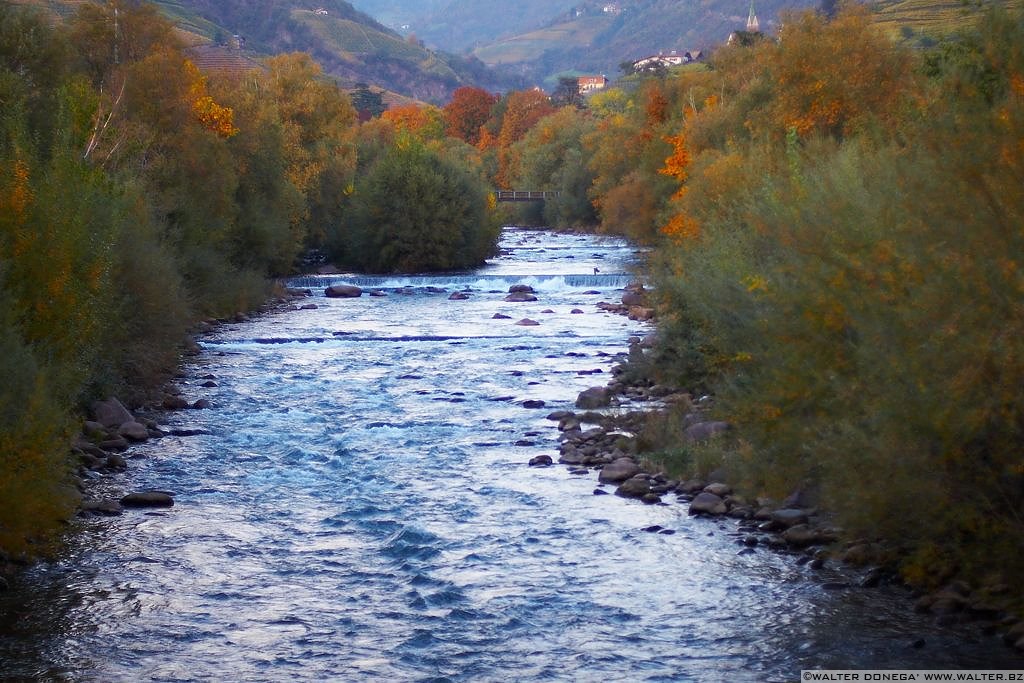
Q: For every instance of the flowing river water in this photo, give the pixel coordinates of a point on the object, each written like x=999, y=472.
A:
x=359, y=508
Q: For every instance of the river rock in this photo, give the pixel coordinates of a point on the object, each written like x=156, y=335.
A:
x=533, y=403
x=635, y=297
x=148, y=499
x=501, y=316
x=378, y=292
x=789, y=517
x=111, y=413
x=576, y=311
x=691, y=486
x=719, y=489
x=802, y=535
x=94, y=430
x=116, y=444
x=133, y=431
x=171, y=402
x=115, y=463
x=708, y=504
x=202, y=404
x=619, y=470
x=343, y=292
x=458, y=296
x=107, y=508
x=541, y=461
x=520, y=289
x=571, y=457
x=526, y=322
x=634, y=488
x=520, y=297
x=594, y=397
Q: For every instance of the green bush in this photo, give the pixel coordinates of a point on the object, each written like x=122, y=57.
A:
x=416, y=211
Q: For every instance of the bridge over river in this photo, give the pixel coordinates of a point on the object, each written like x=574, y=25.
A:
x=525, y=195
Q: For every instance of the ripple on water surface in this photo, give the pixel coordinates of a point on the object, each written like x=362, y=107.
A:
x=356, y=506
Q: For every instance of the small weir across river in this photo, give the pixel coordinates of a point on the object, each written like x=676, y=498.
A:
x=357, y=507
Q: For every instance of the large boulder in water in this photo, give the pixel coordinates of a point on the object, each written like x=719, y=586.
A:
x=148, y=499
x=343, y=292
x=519, y=297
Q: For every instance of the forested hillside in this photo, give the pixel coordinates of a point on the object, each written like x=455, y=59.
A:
x=349, y=45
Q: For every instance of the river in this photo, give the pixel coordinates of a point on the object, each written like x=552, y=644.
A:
x=359, y=508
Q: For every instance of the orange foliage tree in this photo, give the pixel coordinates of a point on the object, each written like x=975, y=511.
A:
x=467, y=112
x=423, y=122
x=524, y=108
x=833, y=77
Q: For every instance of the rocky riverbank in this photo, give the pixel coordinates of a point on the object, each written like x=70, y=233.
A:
x=601, y=438
x=101, y=451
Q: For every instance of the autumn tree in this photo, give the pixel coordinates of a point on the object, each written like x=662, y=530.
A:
x=467, y=112
x=422, y=122
x=523, y=109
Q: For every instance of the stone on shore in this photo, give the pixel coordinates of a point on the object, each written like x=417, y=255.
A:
x=148, y=499
x=111, y=413
x=789, y=517
x=133, y=431
x=343, y=292
x=708, y=504
x=594, y=397
x=720, y=490
x=171, y=402
x=634, y=488
x=619, y=470
x=106, y=508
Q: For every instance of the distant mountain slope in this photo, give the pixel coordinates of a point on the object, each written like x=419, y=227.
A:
x=462, y=24
x=348, y=43
x=598, y=36
x=399, y=13
x=933, y=18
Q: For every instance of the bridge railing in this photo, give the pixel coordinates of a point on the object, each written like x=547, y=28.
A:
x=525, y=195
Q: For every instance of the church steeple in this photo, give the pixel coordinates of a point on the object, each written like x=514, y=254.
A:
x=753, y=26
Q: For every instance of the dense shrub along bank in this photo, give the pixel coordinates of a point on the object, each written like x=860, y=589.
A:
x=840, y=264
x=138, y=196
